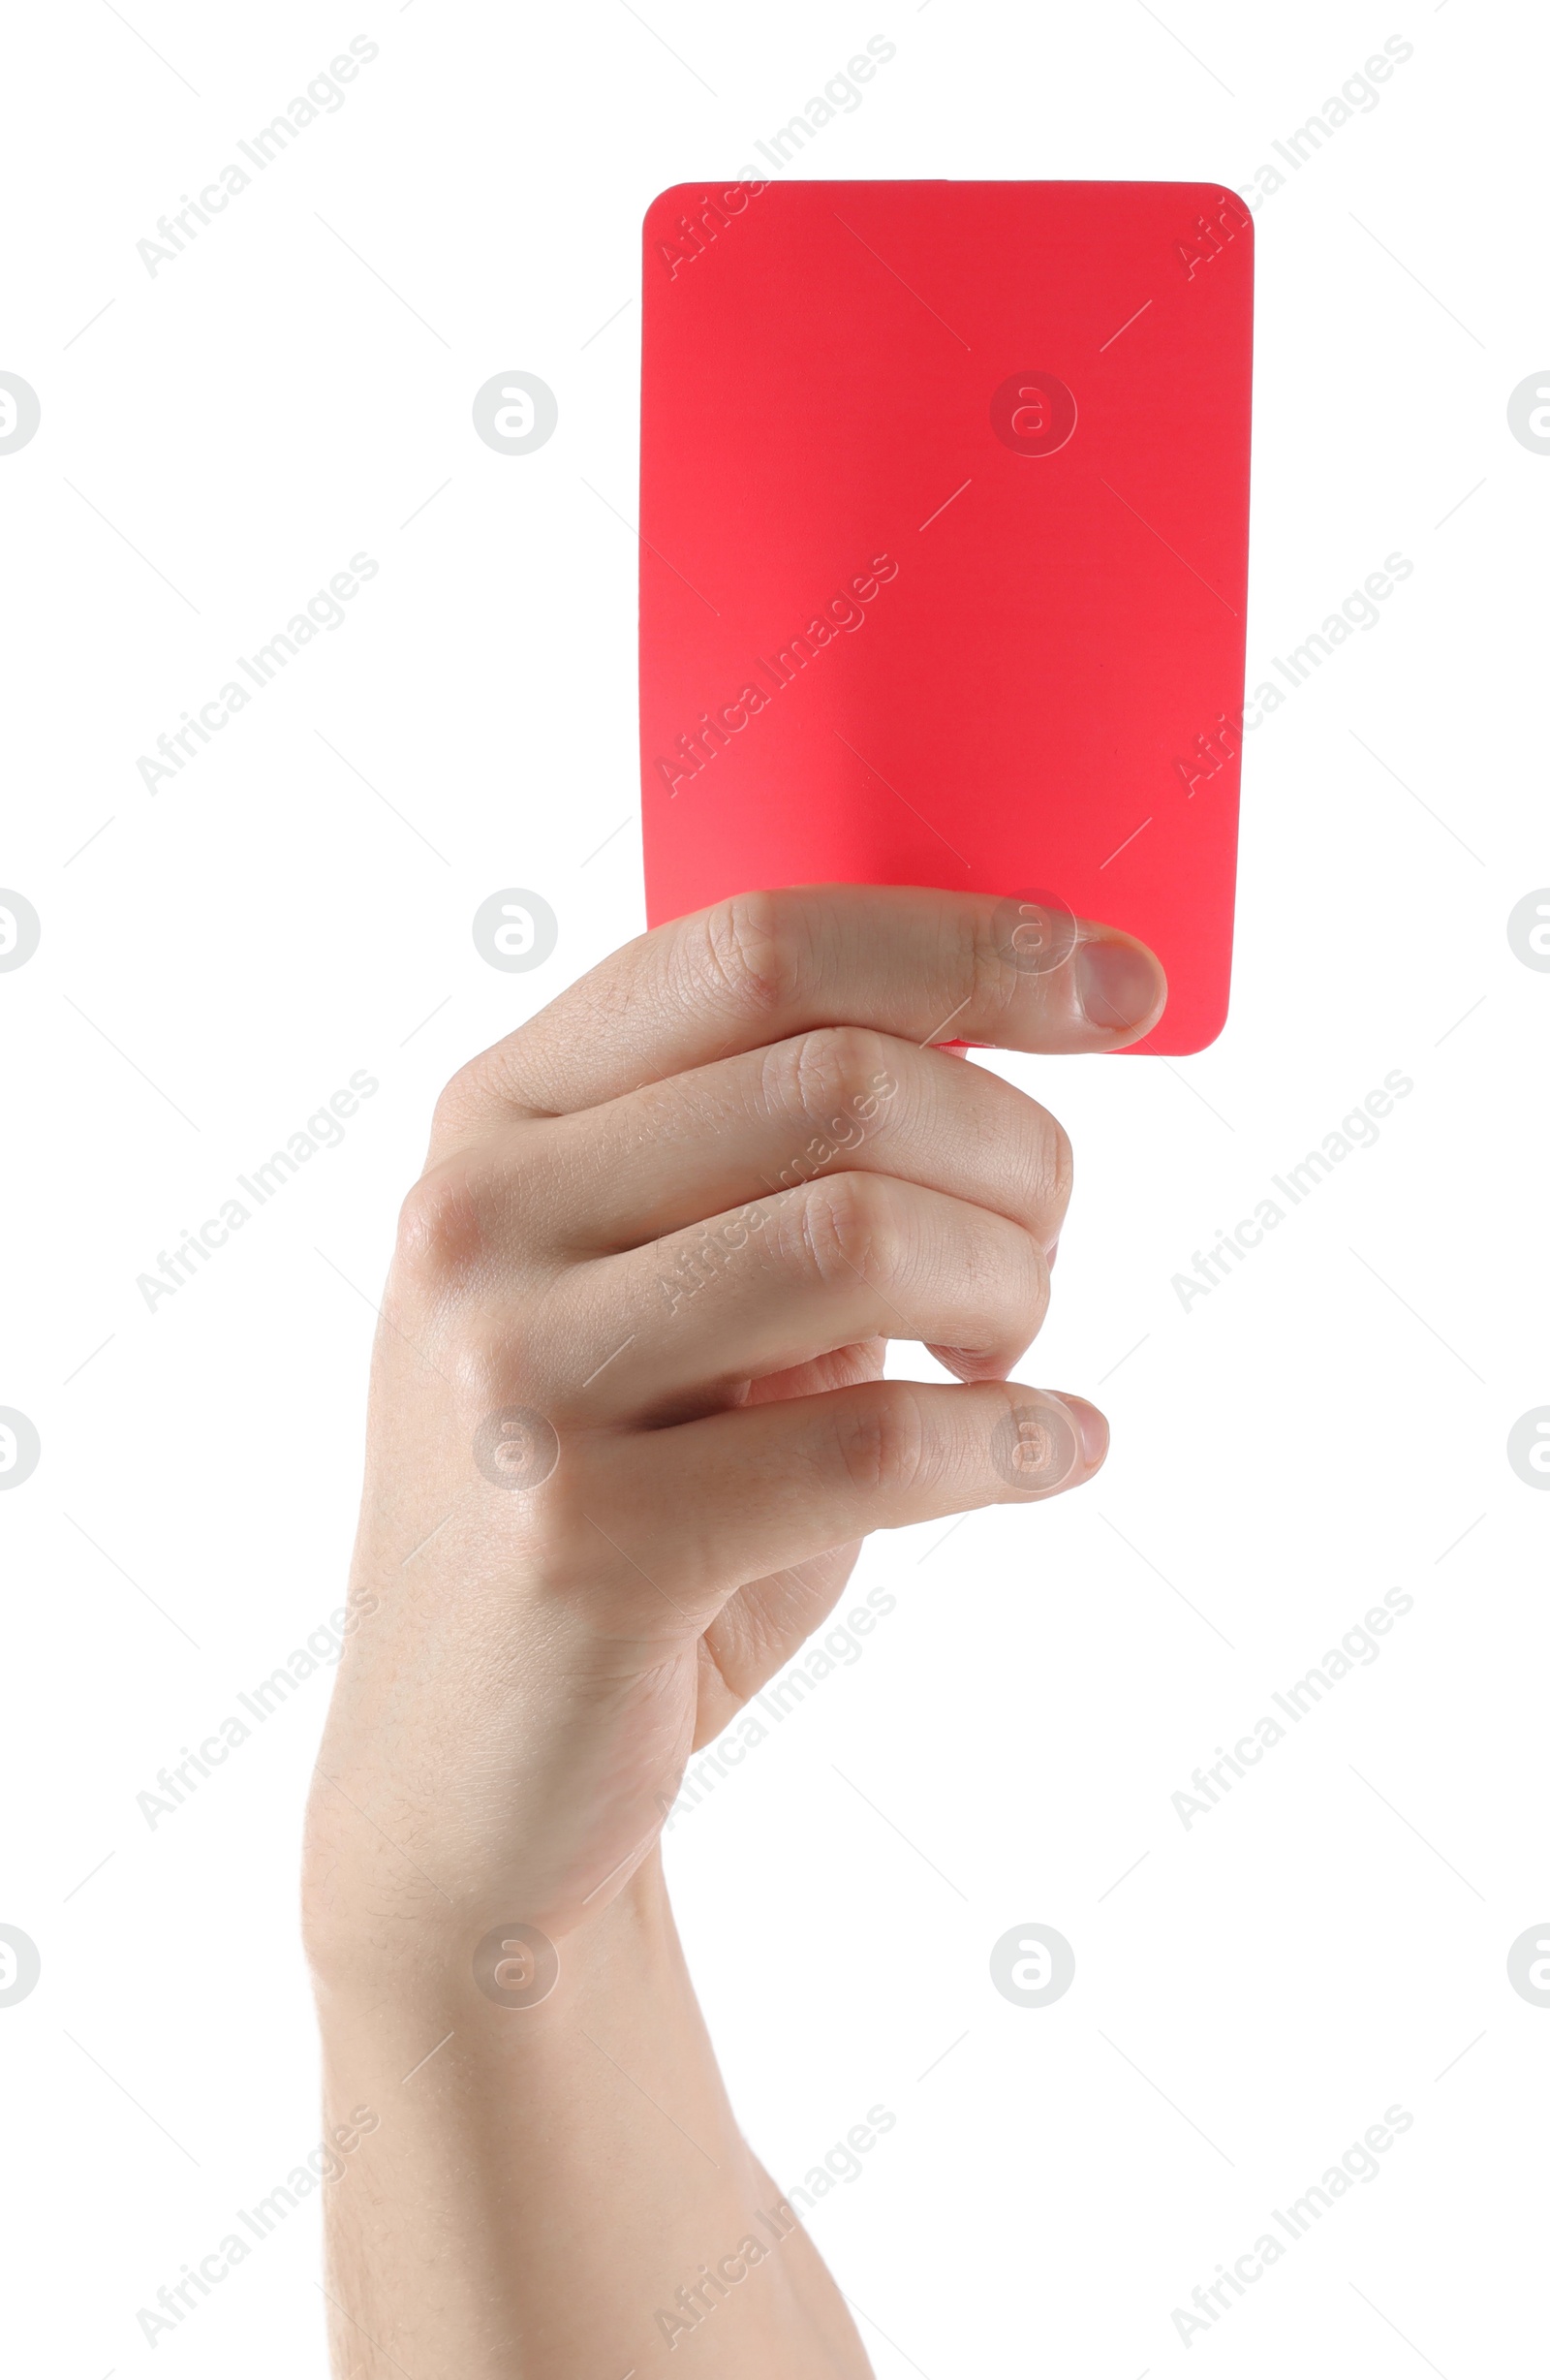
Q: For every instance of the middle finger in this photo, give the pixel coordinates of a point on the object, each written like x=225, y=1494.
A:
x=664, y=1157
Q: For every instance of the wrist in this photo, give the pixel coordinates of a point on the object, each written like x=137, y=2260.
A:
x=481, y=1963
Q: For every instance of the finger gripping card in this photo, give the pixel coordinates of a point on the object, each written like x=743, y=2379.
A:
x=943, y=545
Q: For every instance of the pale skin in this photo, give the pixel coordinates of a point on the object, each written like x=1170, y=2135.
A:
x=665, y=1230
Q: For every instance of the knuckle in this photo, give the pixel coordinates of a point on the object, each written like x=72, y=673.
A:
x=1032, y=1305
x=883, y=1442
x=441, y=1232
x=846, y=1225
x=490, y=1080
x=748, y=949
x=826, y=1078
x=1005, y=1285
x=492, y=1211
x=1047, y=1165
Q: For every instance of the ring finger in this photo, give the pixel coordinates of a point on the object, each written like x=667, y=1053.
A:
x=845, y=1258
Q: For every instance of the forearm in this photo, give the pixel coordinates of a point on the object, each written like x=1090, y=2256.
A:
x=561, y=2189
x=597, y=1519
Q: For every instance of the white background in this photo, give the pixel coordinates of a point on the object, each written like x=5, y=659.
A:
x=1328, y=1423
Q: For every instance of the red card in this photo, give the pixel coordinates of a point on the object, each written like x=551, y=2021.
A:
x=943, y=545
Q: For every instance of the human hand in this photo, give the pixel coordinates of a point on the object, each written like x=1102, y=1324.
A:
x=627, y=1425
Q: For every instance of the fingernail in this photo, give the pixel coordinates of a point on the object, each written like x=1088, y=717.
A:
x=1117, y=984
x=1051, y=1252
x=1090, y=1427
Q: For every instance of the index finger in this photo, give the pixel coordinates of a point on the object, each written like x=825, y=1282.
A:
x=927, y=965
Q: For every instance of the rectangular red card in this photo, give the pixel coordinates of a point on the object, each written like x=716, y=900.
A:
x=944, y=546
